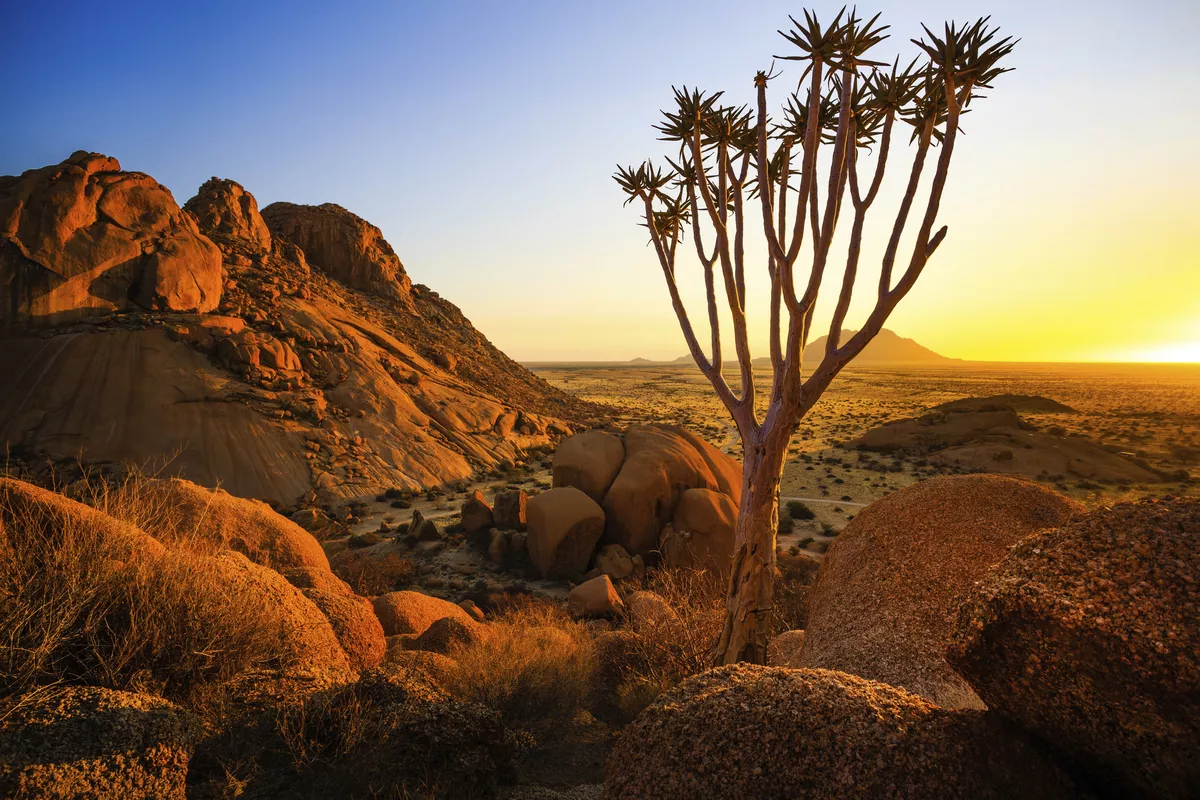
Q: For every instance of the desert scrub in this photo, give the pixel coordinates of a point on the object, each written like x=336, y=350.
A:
x=797, y=509
x=87, y=600
x=369, y=574
x=536, y=668
x=645, y=659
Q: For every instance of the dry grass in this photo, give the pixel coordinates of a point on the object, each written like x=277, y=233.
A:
x=637, y=668
x=164, y=623
x=370, y=574
x=536, y=669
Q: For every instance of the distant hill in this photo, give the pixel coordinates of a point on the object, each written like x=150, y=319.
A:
x=640, y=360
x=886, y=348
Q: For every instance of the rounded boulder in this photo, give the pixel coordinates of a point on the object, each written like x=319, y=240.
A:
x=1087, y=636
x=883, y=606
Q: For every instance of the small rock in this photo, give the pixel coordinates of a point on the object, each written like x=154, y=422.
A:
x=595, y=598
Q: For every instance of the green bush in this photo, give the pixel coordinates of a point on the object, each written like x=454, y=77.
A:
x=797, y=509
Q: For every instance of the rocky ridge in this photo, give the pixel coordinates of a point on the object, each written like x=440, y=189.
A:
x=211, y=337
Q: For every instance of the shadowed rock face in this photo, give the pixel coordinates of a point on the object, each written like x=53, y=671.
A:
x=83, y=238
x=763, y=732
x=1087, y=636
x=342, y=245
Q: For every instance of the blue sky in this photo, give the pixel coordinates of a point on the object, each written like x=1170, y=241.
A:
x=480, y=136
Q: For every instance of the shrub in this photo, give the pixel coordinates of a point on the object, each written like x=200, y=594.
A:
x=797, y=509
x=372, y=574
x=786, y=525
x=161, y=621
x=536, y=667
x=637, y=668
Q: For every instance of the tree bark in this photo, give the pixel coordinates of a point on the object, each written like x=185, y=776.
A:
x=749, y=601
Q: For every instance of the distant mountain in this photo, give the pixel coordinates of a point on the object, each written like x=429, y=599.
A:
x=640, y=360
x=886, y=348
x=684, y=360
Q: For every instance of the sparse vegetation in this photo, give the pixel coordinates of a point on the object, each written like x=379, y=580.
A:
x=798, y=509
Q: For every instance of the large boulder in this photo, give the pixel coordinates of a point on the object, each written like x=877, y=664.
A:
x=702, y=533
x=39, y=515
x=883, y=606
x=250, y=527
x=589, y=461
x=410, y=612
x=88, y=743
x=83, y=238
x=765, y=732
x=342, y=245
x=564, y=526
x=305, y=634
x=228, y=213
x=661, y=463
x=1087, y=636
x=355, y=625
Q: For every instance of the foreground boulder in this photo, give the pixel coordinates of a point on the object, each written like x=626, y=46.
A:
x=355, y=625
x=564, y=526
x=1087, y=636
x=250, y=527
x=410, y=612
x=84, y=238
x=396, y=734
x=763, y=732
x=661, y=464
x=88, y=743
x=884, y=603
x=589, y=461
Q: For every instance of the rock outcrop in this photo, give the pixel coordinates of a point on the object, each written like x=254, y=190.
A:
x=300, y=384
x=883, y=606
x=564, y=527
x=343, y=245
x=228, y=212
x=1087, y=636
x=640, y=478
x=83, y=742
x=764, y=732
x=84, y=238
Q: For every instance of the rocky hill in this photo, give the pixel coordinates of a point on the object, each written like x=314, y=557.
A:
x=275, y=353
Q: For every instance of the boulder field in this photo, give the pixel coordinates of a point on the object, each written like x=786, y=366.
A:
x=272, y=355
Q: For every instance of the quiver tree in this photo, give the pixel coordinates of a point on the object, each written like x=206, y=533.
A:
x=738, y=166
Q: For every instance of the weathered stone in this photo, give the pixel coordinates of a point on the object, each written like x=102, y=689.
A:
x=564, y=526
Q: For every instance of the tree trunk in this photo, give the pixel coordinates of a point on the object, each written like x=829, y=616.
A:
x=749, y=602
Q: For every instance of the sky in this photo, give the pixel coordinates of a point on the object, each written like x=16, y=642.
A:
x=481, y=138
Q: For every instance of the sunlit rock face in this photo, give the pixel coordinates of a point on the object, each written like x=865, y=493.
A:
x=84, y=238
x=202, y=339
x=342, y=245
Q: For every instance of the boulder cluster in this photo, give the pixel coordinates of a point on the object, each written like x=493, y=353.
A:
x=975, y=636
x=657, y=493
